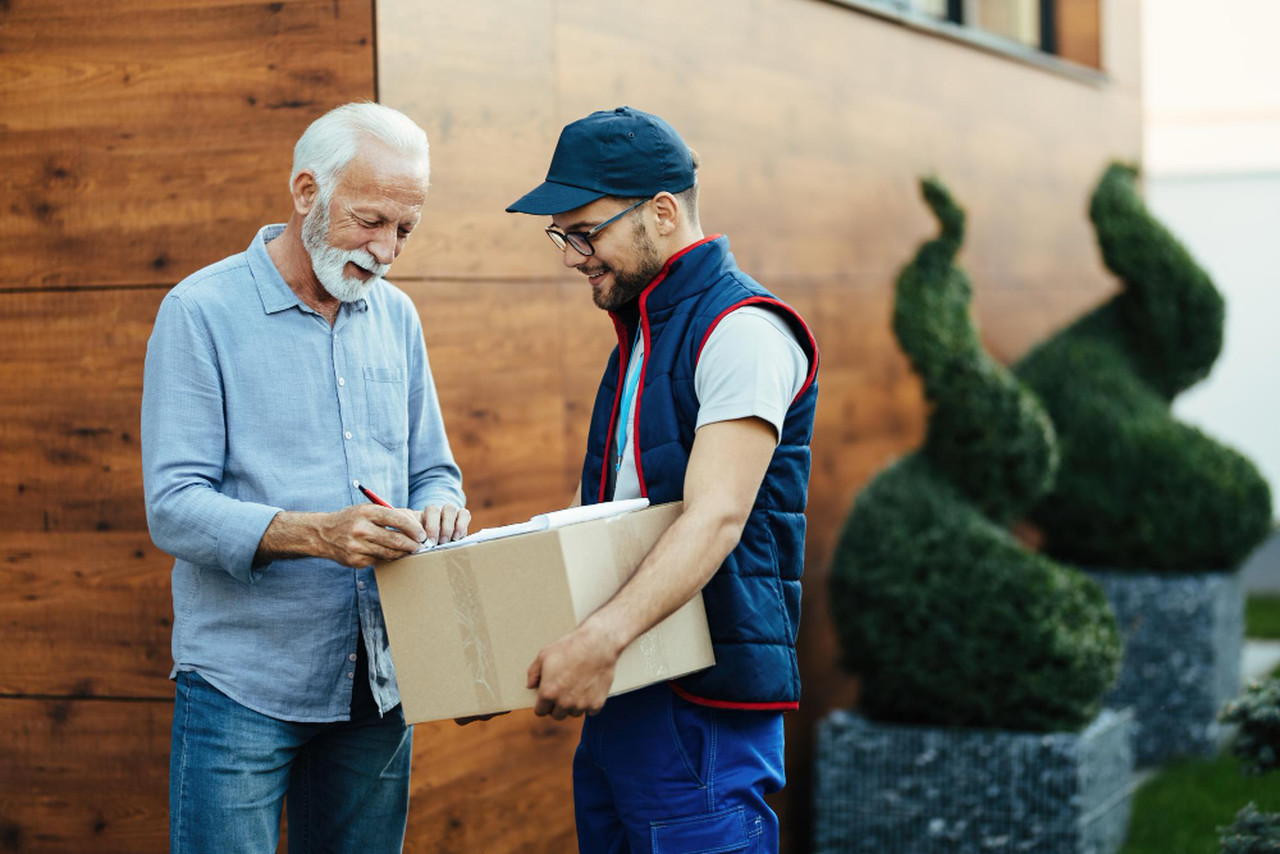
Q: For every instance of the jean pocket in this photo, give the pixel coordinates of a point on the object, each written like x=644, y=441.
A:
x=710, y=833
x=388, y=401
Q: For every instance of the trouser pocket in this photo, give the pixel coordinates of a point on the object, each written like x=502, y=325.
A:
x=710, y=833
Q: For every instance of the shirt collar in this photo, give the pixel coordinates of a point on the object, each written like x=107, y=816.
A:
x=274, y=291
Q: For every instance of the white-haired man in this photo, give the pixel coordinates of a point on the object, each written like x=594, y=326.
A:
x=278, y=382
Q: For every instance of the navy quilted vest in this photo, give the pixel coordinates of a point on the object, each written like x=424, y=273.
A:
x=753, y=600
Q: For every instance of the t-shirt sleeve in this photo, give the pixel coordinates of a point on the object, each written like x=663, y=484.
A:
x=752, y=365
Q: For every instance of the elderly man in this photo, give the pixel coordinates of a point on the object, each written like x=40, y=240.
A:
x=278, y=382
x=708, y=398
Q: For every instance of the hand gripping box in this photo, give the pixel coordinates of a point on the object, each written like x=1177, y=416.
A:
x=465, y=622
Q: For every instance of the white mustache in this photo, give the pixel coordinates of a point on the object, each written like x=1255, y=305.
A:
x=365, y=261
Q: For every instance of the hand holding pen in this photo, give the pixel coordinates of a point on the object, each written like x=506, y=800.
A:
x=442, y=524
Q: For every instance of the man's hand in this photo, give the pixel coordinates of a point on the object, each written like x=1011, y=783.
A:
x=573, y=674
x=362, y=534
x=445, y=524
x=354, y=536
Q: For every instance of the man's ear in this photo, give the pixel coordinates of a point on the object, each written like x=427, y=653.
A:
x=305, y=191
x=666, y=209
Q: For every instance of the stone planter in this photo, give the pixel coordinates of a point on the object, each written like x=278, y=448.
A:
x=1183, y=635
x=898, y=789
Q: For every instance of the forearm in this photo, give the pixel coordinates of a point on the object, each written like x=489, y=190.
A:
x=680, y=564
x=290, y=535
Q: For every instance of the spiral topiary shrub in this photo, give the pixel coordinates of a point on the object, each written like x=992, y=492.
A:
x=943, y=615
x=1137, y=489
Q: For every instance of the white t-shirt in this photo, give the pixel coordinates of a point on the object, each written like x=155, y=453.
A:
x=752, y=365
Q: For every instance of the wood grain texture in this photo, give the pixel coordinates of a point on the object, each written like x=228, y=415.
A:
x=84, y=775
x=143, y=138
x=69, y=455
x=92, y=775
x=91, y=617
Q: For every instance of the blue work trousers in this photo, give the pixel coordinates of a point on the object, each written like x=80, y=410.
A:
x=656, y=773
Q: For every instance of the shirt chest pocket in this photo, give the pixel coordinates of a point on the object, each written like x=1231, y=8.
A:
x=388, y=399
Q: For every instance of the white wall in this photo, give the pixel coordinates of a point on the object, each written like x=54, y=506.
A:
x=1211, y=158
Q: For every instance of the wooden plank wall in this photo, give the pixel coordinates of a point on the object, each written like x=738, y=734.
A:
x=139, y=141
x=142, y=139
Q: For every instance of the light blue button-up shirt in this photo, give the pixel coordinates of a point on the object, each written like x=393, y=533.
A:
x=252, y=404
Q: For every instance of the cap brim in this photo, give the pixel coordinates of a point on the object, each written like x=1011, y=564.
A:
x=551, y=198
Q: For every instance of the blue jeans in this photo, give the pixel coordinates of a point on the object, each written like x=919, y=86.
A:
x=230, y=769
x=655, y=773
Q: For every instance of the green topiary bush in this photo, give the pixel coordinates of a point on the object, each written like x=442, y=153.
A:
x=1257, y=744
x=1137, y=489
x=1257, y=714
x=1252, y=832
x=942, y=614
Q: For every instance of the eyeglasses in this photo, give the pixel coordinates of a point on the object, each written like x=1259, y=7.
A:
x=581, y=240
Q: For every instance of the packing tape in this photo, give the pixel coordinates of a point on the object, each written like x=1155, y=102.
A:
x=473, y=627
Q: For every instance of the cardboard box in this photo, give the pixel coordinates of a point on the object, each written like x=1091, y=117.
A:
x=466, y=622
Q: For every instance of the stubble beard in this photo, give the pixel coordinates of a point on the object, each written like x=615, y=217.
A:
x=630, y=284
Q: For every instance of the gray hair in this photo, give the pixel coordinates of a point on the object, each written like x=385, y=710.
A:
x=331, y=141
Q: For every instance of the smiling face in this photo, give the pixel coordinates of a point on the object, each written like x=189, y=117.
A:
x=357, y=227
x=626, y=257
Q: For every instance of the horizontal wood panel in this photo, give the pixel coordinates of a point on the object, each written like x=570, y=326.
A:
x=481, y=81
x=69, y=455
x=811, y=137
x=84, y=775
x=89, y=615
x=92, y=775
x=145, y=137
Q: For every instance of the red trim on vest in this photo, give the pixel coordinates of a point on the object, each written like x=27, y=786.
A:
x=813, y=342
x=623, y=355
x=648, y=350
x=727, y=704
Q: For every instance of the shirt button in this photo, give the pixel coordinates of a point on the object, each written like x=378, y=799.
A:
x=351, y=657
x=342, y=381
x=360, y=585
x=347, y=434
x=351, y=675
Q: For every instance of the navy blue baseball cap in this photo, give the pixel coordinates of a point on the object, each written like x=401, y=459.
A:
x=622, y=152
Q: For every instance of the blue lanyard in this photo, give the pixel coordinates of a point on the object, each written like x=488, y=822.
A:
x=628, y=394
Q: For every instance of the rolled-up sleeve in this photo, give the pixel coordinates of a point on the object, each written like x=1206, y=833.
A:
x=184, y=449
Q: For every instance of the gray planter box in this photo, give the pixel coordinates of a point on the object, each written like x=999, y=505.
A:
x=1183, y=635
x=897, y=789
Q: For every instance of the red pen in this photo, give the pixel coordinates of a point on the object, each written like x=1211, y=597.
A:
x=371, y=495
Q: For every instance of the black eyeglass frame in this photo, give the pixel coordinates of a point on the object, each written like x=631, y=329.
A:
x=581, y=240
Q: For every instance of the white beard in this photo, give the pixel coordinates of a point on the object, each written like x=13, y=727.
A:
x=328, y=262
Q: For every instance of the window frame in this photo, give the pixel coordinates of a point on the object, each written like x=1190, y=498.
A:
x=953, y=28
